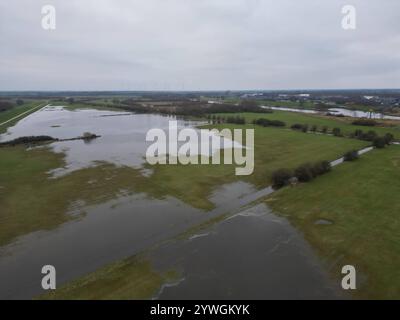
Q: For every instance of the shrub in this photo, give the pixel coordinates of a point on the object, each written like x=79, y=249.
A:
x=281, y=177
x=379, y=142
x=266, y=123
x=388, y=138
x=336, y=132
x=324, y=129
x=235, y=120
x=297, y=126
x=305, y=128
x=365, y=122
x=358, y=133
x=351, y=155
x=314, y=128
x=321, y=167
x=5, y=105
x=302, y=127
x=368, y=136
x=304, y=173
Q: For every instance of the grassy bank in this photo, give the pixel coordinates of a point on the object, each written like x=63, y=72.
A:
x=361, y=199
x=132, y=278
x=16, y=111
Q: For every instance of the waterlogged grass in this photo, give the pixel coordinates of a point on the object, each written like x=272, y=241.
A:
x=320, y=121
x=132, y=278
x=79, y=106
x=362, y=200
x=30, y=201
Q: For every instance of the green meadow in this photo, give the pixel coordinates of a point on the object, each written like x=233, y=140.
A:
x=320, y=121
x=361, y=200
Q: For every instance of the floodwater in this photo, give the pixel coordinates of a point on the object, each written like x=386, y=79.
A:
x=251, y=254
x=339, y=111
x=122, y=141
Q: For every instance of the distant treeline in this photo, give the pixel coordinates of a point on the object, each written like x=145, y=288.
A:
x=180, y=107
x=365, y=122
x=269, y=123
x=9, y=104
x=372, y=136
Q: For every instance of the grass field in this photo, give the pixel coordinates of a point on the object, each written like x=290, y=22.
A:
x=343, y=123
x=274, y=149
x=362, y=200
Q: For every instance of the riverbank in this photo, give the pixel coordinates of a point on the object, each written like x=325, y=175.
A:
x=12, y=116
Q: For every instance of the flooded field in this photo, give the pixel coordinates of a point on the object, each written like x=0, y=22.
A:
x=249, y=254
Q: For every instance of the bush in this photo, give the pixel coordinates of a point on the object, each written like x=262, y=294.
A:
x=235, y=120
x=351, y=155
x=281, y=177
x=314, y=128
x=388, y=138
x=336, y=132
x=304, y=173
x=379, y=142
x=296, y=126
x=369, y=136
x=5, y=105
x=365, y=122
x=321, y=167
x=324, y=129
x=266, y=122
x=358, y=133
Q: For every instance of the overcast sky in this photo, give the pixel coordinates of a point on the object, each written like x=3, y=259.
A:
x=199, y=45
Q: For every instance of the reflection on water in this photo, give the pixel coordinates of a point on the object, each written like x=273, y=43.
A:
x=252, y=255
x=338, y=111
x=361, y=114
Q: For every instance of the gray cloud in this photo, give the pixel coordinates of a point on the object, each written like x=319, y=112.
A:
x=198, y=45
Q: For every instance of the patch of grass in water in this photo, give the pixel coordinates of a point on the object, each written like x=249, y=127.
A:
x=128, y=279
